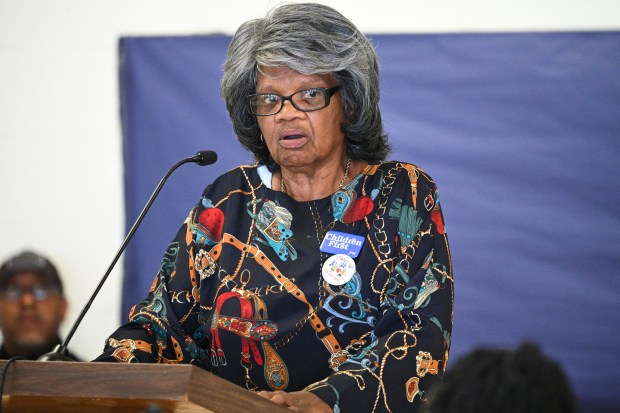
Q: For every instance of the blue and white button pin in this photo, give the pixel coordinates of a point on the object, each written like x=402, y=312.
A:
x=336, y=242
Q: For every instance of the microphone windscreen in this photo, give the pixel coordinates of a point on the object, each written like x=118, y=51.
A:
x=206, y=158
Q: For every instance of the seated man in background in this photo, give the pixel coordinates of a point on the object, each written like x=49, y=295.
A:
x=508, y=381
x=32, y=306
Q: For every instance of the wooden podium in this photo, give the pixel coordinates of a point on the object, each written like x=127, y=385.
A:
x=85, y=387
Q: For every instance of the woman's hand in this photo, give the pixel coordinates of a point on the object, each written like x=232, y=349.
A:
x=297, y=401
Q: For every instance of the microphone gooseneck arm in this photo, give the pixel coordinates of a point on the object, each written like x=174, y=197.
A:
x=59, y=353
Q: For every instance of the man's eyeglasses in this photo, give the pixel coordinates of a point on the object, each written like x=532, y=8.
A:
x=307, y=100
x=39, y=292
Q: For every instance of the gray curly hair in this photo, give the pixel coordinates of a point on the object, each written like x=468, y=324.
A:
x=311, y=39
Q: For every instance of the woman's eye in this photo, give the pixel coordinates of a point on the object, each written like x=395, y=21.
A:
x=310, y=93
x=270, y=99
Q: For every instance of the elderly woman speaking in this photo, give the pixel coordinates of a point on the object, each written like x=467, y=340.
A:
x=319, y=276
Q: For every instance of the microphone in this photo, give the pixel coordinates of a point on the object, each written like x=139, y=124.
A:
x=202, y=158
x=59, y=353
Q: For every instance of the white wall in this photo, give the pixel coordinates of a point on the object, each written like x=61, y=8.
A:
x=61, y=189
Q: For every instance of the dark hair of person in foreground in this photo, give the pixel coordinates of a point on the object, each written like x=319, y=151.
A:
x=504, y=381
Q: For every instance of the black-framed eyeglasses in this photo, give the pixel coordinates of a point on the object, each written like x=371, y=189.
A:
x=39, y=292
x=307, y=100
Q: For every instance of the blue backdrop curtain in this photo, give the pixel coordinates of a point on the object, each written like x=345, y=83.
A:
x=521, y=133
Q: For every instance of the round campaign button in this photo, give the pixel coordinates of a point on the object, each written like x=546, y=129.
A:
x=338, y=269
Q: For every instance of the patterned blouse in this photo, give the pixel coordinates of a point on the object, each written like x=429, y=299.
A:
x=349, y=297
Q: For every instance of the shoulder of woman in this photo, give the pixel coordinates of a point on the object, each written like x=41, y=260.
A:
x=406, y=169
x=233, y=179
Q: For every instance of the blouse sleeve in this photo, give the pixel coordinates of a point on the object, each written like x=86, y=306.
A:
x=408, y=348
x=164, y=327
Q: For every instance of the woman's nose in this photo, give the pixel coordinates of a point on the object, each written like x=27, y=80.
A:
x=288, y=111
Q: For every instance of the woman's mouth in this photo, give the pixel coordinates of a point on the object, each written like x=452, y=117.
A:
x=293, y=141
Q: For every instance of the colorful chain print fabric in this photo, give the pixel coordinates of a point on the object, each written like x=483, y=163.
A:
x=240, y=292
